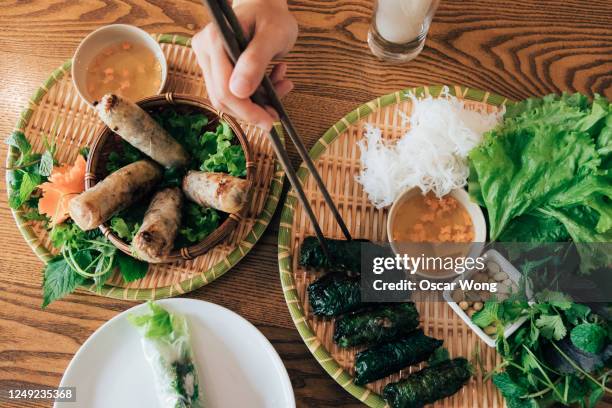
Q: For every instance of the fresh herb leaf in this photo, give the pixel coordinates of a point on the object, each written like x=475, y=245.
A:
x=156, y=324
x=127, y=222
x=551, y=326
x=487, y=315
x=589, y=337
x=131, y=269
x=84, y=151
x=514, y=402
x=508, y=387
x=556, y=299
x=29, y=183
x=59, y=280
x=19, y=140
x=577, y=313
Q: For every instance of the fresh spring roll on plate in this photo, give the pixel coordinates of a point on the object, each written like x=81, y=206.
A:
x=155, y=237
x=167, y=347
x=139, y=129
x=116, y=192
x=217, y=190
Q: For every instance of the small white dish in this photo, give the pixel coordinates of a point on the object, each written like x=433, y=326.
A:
x=237, y=365
x=103, y=37
x=473, y=210
x=513, y=274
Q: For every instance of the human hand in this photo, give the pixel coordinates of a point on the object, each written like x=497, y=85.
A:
x=273, y=31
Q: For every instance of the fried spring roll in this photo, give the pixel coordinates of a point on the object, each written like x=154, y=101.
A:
x=217, y=190
x=155, y=237
x=140, y=130
x=116, y=192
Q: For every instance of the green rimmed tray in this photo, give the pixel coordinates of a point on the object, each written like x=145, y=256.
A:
x=337, y=159
x=56, y=103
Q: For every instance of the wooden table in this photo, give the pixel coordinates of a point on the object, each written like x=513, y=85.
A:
x=517, y=49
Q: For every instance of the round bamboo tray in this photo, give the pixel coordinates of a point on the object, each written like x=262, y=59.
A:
x=106, y=141
x=57, y=106
x=336, y=157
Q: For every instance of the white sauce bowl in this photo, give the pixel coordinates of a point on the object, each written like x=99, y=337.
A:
x=104, y=37
x=473, y=210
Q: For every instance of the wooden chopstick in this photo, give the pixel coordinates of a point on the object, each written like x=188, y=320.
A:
x=233, y=50
x=273, y=100
x=235, y=43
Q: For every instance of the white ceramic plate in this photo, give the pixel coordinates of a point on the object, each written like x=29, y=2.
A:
x=237, y=365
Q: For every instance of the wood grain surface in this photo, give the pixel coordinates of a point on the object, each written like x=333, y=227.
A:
x=516, y=49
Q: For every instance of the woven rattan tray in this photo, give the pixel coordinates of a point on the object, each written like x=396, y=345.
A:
x=57, y=104
x=336, y=156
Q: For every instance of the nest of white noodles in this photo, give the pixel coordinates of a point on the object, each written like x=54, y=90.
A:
x=432, y=155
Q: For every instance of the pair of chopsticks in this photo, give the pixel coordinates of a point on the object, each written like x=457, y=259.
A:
x=235, y=43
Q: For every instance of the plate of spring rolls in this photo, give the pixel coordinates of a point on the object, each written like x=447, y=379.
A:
x=222, y=175
x=149, y=158
x=178, y=353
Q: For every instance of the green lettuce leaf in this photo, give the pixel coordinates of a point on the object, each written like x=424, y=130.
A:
x=156, y=324
x=543, y=174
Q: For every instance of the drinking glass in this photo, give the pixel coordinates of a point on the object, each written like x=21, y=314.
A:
x=399, y=28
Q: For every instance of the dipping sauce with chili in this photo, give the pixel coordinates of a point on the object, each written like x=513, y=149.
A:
x=426, y=218
x=126, y=69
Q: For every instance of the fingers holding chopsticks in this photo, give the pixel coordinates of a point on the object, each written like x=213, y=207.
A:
x=229, y=88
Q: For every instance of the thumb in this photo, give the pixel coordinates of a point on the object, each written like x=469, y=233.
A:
x=251, y=66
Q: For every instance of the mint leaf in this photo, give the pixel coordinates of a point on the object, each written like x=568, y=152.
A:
x=29, y=183
x=131, y=269
x=507, y=386
x=589, y=337
x=521, y=403
x=551, y=326
x=59, y=280
x=19, y=140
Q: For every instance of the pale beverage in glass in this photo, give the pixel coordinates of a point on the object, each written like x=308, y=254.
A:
x=399, y=28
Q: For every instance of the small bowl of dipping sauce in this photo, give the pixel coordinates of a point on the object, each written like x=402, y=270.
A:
x=424, y=225
x=119, y=59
